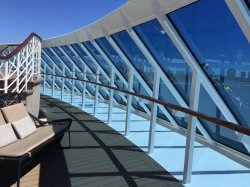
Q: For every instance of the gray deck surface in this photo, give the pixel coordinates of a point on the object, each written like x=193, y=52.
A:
x=99, y=156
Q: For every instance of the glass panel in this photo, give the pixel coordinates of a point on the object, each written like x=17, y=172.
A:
x=168, y=57
x=113, y=56
x=248, y=3
x=84, y=57
x=221, y=49
x=167, y=96
x=98, y=57
x=74, y=58
x=218, y=133
x=63, y=58
x=135, y=56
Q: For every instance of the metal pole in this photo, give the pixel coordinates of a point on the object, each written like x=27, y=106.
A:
x=129, y=102
x=96, y=91
x=84, y=87
x=156, y=86
x=63, y=82
x=192, y=121
x=111, y=94
x=73, y=84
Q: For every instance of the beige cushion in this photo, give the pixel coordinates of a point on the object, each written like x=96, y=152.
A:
x=7, y=135
x=21, y=147
x=2, y=120
x=14, y=112
x=24, y=127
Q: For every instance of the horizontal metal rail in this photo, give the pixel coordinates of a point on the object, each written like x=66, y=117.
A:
x=214, y=120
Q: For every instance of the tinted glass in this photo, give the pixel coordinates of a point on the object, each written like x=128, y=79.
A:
x=73, y=57
x=167, y=96
x=97, y=56
x=218, y=133
x=213, y=35
x=168, y=57
x=84, y=57
x=63, y=58
x=248, y=3
x=113, y=56
x=135, y=56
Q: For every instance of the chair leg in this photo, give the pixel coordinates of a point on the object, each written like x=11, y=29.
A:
x=69, y=138
x=19, y=172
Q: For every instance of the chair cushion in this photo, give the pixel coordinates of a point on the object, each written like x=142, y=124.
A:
x=24, y=127
x=42, y=135
x=2, y=120
x=14, y=112
x=7, y=135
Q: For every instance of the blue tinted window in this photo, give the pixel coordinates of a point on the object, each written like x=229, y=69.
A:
x=135, y=56
x=63, y=57
x=222, y=50
x=98, y=57
x=218, y=133
x=168, y=57
x=113, y=56
x=248, y=3
x=74, y=58
x=167, y=96
x=84, y=57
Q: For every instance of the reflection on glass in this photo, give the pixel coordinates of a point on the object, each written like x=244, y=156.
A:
x=248, y=3
x=63, y=58
x=218, y=133
x=113, y=56
x=213, y=35
x=135, y=56
x=98, y=57
x=168, y=57
x=167, y=96
x=84, y=57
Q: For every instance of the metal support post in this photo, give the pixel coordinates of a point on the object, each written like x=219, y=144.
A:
x=96, y=91
x=53, y=79
x=73, y=84
x=111, y=94
x=84, y=87
x=152, y=127
x=18, y=73
x=192, y=121
x=44, y=78
x=129, y=102
x=63, y=82
x=6, y=76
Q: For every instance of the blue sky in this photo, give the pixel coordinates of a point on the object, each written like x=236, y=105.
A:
x=49, y=18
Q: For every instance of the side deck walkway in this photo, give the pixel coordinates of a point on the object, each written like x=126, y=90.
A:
x=99, y=156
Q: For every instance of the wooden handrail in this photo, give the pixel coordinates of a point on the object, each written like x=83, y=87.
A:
x=15, y=51
x=216, y=121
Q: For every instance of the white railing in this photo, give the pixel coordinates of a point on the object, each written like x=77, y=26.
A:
x=21, y=65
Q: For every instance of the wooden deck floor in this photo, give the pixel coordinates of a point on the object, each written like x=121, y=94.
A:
x=99, y=156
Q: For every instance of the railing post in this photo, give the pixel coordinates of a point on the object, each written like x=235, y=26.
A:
x=129, y=101
x=6, y=76
x=33, y=57
x=111, y=94
x=192, y=121
x=84, y=87
x=63, y=82
x=44, y=78
x=96, y=91
x=73, y=83
x=26, y=69
x=18, y=72
x=154, y=106
x=53, y=79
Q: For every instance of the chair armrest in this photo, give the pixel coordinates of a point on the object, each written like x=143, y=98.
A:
x=65, y=121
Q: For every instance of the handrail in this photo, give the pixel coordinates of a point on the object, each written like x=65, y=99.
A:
x=15, y=51
x=216, y=121
x=10, y=45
